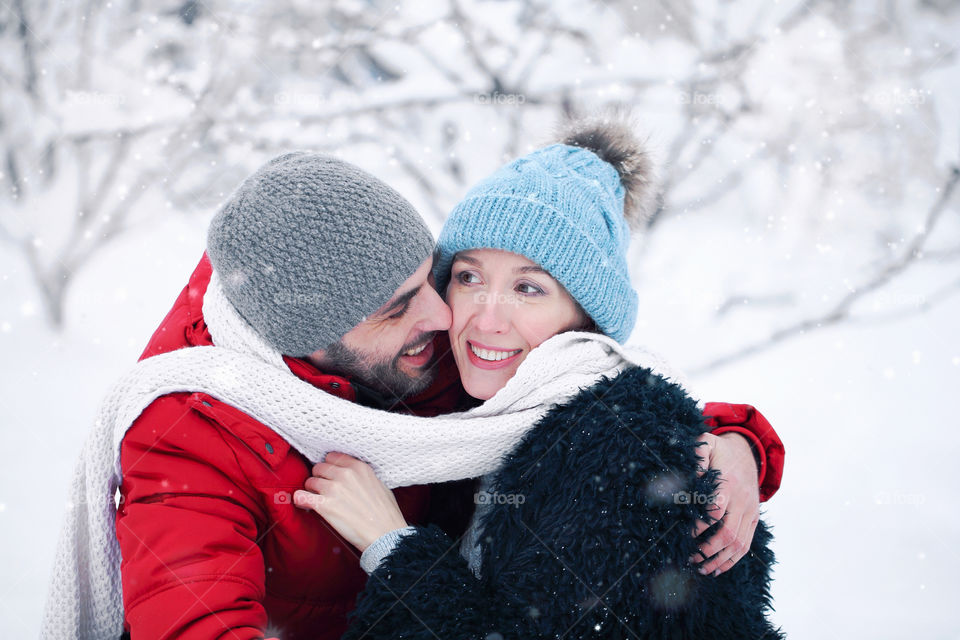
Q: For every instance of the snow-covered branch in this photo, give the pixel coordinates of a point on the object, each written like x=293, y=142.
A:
x=755, y=108
x=841, y=311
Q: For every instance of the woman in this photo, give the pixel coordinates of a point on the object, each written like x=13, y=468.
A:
x=583, y=529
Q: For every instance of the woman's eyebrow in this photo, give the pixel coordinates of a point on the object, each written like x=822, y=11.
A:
x=469, y=259
x=531, y=269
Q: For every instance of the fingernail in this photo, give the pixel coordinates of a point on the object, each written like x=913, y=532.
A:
x=703, y=571
x=716, y=573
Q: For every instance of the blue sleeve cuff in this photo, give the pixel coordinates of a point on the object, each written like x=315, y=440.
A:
x=382, y=547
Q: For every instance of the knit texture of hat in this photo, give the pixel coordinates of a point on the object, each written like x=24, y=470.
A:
x=310, y=245
x=561, y=207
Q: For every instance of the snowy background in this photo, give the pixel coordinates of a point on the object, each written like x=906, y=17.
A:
x=804, y=259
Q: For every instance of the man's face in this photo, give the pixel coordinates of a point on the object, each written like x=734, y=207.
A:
x=392, y=349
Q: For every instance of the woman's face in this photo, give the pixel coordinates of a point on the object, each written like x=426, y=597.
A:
x=503, y=306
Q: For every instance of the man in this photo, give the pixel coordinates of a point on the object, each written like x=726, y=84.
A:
x=329, y=267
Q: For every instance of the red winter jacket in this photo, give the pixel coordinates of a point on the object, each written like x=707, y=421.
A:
x=212, y=546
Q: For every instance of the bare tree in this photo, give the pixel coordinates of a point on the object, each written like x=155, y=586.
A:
x=107, y=111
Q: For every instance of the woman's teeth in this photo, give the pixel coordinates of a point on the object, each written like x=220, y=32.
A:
x=416, y=350
x=492, y=356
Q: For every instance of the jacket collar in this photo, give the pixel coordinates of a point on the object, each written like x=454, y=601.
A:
x=336, y=385
x=340, y=386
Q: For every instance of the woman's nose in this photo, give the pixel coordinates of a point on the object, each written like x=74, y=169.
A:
x=493, y=313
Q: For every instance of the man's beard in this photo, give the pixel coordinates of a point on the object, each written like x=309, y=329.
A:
x=384, y=375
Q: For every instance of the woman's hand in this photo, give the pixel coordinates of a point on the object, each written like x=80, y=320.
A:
x=736, y=503
x=349, y=495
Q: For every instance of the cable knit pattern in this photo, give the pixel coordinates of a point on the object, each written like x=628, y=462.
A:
x=561, y=207
x=243, y=370
x=309, y=244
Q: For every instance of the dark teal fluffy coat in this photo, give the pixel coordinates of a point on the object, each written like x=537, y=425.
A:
x=597, y=549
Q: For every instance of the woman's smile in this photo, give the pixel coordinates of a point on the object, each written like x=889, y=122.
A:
x=503, y=306
x=488, y=358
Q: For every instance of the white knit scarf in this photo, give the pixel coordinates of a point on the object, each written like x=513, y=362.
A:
x=84, y=598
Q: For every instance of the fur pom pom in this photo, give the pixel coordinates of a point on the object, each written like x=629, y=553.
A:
x=612, y=137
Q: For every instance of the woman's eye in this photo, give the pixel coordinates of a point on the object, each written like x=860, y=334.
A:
x=465, y=277
x=529, y=289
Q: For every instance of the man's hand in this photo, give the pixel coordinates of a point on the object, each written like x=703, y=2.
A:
x=349, y=495
x=736, y=504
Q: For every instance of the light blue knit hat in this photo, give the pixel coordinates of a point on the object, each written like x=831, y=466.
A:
x=563, y=207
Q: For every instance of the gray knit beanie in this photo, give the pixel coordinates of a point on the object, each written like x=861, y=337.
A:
x=309, y=245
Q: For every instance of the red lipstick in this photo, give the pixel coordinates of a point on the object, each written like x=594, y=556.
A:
x=480, y=363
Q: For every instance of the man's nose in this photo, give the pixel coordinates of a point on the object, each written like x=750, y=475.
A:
x=437, y=316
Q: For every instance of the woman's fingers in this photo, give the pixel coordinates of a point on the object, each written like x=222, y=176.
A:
x=327, y=470
x=308, y=500
x=346, y=492
x=340, y=459
x=318, y=485
x=334, y=462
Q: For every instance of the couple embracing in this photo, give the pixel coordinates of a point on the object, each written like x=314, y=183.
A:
x=343, y=428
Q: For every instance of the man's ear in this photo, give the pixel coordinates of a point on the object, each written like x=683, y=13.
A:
x=317, y=358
